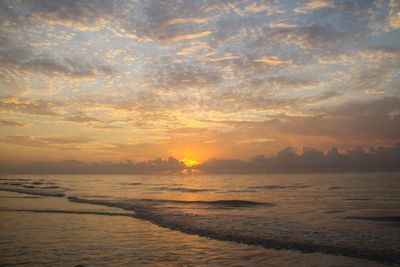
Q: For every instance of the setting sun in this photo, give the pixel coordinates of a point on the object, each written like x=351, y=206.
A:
x=190, y=162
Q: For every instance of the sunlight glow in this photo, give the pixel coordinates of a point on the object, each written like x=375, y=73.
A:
x=190, y=162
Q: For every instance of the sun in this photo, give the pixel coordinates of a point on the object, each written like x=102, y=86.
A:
x=190, y=162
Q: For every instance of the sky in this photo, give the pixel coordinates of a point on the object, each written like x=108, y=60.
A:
x=194, y=80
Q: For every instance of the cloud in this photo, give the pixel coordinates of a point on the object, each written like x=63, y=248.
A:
x=186, y=20
x=25, y=141
x=80, y=14
x=157, y=166
x=273, y=60
x=374, y=119
x=179, y=76
x=11, y=123
x=311, y=160
x=146, y=106
x=282, y=25
x=286, y=160
x=254, y=96
x=31, y=106
x=168, y=21
x=258, y=75
x=109, y=127
x=192, y=47
x=60, y=142
x=327, y=30
x=222, y=58
x=14, y=57
x=310, y=6
x=19, y=60
x=81, y=118
x=189, y=36
x=282, y=82
x=394, y=14
x=65, y=140
x=368, y=122
x=325, y=96
x=372, y=80
x=324, y=37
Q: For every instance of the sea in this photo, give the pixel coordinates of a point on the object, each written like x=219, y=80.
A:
x=318, y=219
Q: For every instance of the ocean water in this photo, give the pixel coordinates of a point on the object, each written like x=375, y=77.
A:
x=342, y=219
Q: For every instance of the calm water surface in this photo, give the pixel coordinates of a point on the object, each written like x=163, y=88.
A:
x=236, y=220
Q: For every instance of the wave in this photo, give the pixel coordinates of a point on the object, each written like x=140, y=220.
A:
x=238, y=191
x=42, y=187
x=33, y=191
x=13, y=184
x=154, y=202
x=277, y=186
x=14, y=179
x=374, y=218
x=74, y=212
x=334, y=211
x=235, y=203
x=182, y=189
x=17, y=197
x=265, y=231
x=130, y=183
x=357, y=199
x=336, y=187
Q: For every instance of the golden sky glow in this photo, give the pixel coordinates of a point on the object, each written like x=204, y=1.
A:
x=137, y=80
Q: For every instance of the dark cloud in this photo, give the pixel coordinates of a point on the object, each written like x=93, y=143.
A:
x=311, y=160
x=157, y=166
x=287, y=160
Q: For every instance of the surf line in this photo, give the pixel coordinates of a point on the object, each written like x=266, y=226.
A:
x=180, y=224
